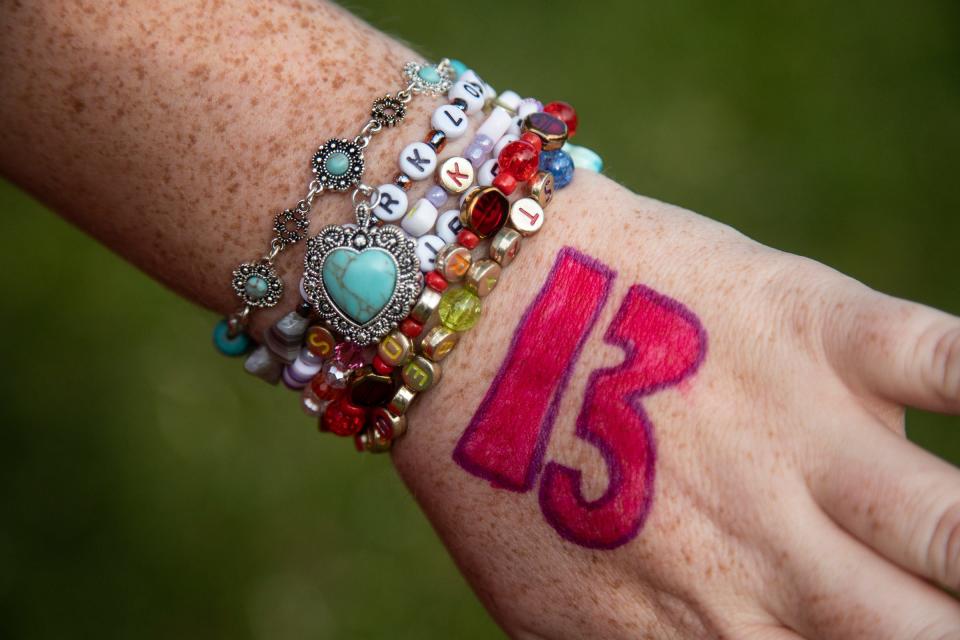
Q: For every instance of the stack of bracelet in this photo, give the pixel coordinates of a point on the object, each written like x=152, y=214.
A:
x=338, y=165
x=358, y=354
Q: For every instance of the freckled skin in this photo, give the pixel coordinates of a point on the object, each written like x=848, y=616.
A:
x=786, y=503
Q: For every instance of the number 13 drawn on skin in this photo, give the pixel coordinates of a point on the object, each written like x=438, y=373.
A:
x=507, y=438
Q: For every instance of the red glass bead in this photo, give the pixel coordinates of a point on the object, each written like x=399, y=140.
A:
x=532, y=139
x=564, y=112
x=322, y=389
x=410, y=327
x=484, y=211
x=505, y=182
x=520, y=159
x=344, y=418
x=467, y=239
x=358, y=443
x=383, y=427
x=435, y=281
x=381, y=367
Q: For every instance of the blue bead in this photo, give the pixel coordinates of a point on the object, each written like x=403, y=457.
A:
x=256, y=287
x=584, y=158
x=236, y=346
x=560, y=164
x=337, y=163
x=458, y=68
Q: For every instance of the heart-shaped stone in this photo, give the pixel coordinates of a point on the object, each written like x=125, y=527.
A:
x=360, y=283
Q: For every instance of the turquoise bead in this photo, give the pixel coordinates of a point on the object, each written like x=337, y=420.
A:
x=337, y=163
x=256, y=287
x=360, y=284
x=584, y=158
x=458, y=68
x=429, y=74
x=236, y=346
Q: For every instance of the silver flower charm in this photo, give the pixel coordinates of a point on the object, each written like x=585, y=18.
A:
x=338, y=164
x=431, y=79
x=257, y=284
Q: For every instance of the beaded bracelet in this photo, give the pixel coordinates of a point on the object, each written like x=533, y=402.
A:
x=338, y=165
x=362, y=389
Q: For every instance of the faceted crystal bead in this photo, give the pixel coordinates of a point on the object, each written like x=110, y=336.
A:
x=335, y=374
x=459, y=309
x=344, y=418
x=519, y=159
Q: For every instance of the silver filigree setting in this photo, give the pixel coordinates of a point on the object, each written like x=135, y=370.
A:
x=257, y=284
x=290, y=226
x=421, y=77
x=394, y=242
x=338, y=149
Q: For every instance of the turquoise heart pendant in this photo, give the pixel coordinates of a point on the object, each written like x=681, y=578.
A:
x=362, y=280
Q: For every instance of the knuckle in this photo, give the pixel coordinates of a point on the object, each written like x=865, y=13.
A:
x=942, y=371
x=943, y=547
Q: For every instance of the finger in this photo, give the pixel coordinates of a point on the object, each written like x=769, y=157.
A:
x=902, y=351
x=844, y=591
x=896, y=498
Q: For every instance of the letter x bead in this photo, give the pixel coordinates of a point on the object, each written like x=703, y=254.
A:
x=418, y=160
x=456, y=174
x=526, y=216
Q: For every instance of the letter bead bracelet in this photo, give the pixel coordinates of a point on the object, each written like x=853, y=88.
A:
x=386, y=298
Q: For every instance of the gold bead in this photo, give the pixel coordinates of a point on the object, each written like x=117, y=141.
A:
x=386, y=424
x=395, y=348
x=505, y=246
x=541, y=188
x=401, y=401
x=526, y=216
x=483, y=277
x=420, y=374
x=426, y=305
x=438, y=342
x=374, y=442
x=552, y=130
x=452, y=262
x=455, y=174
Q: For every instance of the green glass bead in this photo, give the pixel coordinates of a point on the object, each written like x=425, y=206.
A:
x=429, y=74
x=459, y=309
x=337, y=163
x=256, y=287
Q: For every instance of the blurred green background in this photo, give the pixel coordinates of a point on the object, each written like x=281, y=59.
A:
x=151, y=489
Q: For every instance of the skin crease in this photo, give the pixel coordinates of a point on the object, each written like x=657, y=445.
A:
x=787, y=502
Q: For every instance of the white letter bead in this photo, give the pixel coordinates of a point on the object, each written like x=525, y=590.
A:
x=526, y=216
x=469, y=92
x=509, y=100
x=451, y=120
x=393, y=203
x=487, y=172
x=496, y=124
x=455, y=174
x=516, y=126
x=504, y=141
x=527, y=107
x=449, y=225
x=428, y=247
x=420, y=218
x=418, y=160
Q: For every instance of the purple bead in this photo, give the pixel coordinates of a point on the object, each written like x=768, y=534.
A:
x=485, y=143
x=303, y=293
x=475, y=155
x=310, y=358
x=348, y=355
x=290, y=381
x=437, y=196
